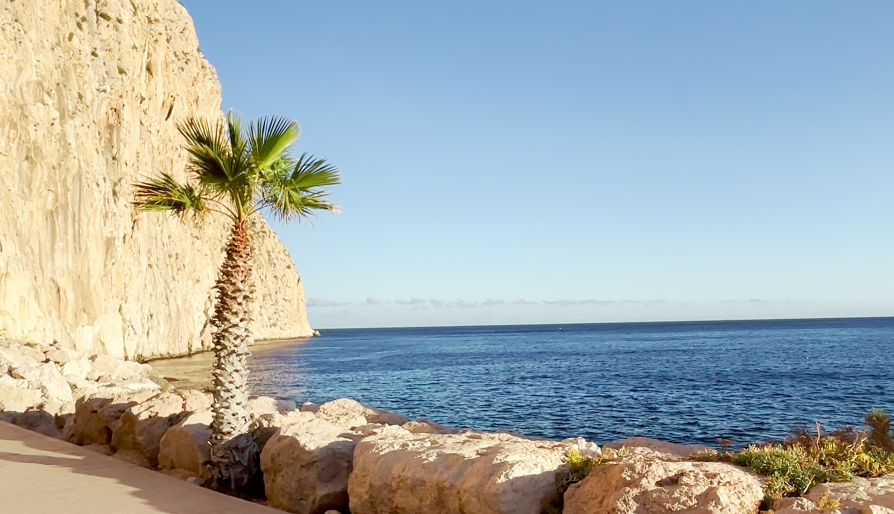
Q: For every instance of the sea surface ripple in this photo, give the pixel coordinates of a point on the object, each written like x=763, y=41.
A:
x=688, y=382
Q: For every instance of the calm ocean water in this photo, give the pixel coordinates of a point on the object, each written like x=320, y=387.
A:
x=682, y=382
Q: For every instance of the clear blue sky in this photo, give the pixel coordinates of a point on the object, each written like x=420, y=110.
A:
x=601, y=161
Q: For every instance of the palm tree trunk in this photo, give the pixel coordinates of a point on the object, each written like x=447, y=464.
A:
x=234, y=453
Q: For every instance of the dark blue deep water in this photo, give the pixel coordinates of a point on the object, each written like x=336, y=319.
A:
x=682, y=382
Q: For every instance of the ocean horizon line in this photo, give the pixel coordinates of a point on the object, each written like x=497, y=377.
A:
x=587, y=323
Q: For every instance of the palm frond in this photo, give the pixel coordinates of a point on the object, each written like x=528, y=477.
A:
x=167, y=194
x=309, y=173
x=208, y=147
x=234, y=131
x=270, y=138
x=296, y=193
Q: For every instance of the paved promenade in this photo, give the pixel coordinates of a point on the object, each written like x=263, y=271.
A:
x=41, y=475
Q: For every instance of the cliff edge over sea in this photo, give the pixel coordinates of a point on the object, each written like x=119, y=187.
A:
x=90, y=94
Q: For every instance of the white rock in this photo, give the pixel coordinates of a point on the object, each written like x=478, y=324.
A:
x=15, y=396
x=259, y=405
x=79, y=367
x=53, y=385
x=62, y=355
x=467, y=473
x=348, y=413
x=645, y=483
x=29, y=373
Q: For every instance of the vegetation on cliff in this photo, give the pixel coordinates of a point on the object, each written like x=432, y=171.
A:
x=237, y=171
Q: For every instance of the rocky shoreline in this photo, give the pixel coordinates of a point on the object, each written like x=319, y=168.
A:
x=346, y=457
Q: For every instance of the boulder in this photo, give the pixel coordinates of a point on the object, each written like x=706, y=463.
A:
x=16, y=355
x=79, y=367
x=15, y=396
x=648, y=447
x=186, y=445
x=109, y=369
x=643, y=483
x=53, y=385
x=41, y=422
x=309, y=407
x=62, y=355
x=348, y=413
x=306, y=466
x=142, y=426
x=27, y=372
x=96, y=418
x=426, y=427
x=468, y=473
x=260, y=405
x=862, y=496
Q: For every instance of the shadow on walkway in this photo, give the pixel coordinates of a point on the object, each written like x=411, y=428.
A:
x=42, y=475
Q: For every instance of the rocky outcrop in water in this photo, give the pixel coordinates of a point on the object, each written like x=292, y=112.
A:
x=90, y=94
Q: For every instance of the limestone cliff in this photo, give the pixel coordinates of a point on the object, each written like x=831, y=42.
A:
x=90, y=92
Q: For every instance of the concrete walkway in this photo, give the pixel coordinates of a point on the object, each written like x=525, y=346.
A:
x=42, y=475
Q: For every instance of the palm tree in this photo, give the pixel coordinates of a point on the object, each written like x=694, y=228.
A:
x=236, y=173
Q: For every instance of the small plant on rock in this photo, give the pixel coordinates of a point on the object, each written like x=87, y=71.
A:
x=806, y=459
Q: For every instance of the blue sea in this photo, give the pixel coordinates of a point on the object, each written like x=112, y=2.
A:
x=689, y=382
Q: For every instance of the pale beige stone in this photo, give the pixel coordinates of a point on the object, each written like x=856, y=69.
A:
x=467, y=473
x=78, y=367
x=260, y=405
x=426, y=427
x=862, y=496
x=349, y=413
x=15, y=396
x=669, y=451
x=96, y=418
x=306, y=466
x=142, y=426
x=62, y=355
x=643, y=484
x=186, y=445
x=90, y=95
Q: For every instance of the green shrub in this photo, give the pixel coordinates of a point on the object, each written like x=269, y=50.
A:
x=804, y=459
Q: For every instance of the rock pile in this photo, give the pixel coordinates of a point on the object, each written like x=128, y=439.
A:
x=343, y=456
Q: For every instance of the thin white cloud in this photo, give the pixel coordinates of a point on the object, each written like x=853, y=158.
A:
x=412, y=301
x=322, y=302
x=569, y=303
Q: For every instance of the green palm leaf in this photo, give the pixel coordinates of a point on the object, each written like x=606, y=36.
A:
x=166, y=194
x=270, y=138
x=296, y=193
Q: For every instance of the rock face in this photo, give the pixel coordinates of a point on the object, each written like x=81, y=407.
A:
x=90, y=94
x=651, y=485
x=453, y=474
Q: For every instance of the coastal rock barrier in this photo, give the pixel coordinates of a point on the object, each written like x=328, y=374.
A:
x=345, y=457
